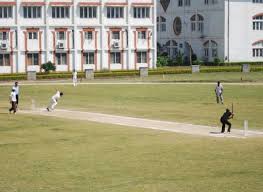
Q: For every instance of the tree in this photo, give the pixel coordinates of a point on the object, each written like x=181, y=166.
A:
x=49, y=66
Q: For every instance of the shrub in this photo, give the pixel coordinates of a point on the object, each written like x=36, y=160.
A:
x=49, y=66
x=216, y=61
x=197, y=62
x=162, y=60
x=179, y=60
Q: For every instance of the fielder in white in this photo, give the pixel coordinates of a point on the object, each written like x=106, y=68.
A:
x=219, y=93
x=54, y=100
x=75, y=78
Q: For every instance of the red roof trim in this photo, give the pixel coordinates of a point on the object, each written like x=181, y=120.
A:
x=57, y=3
x=142, y=4
x=7, y=3
x=116, y=4
x=89, y=4
x=259, y=41
x=27, y=3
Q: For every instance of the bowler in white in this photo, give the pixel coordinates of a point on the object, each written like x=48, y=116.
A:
x=54, y=100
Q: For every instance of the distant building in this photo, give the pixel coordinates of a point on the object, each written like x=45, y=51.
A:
x=231, y=30
x=77, y=34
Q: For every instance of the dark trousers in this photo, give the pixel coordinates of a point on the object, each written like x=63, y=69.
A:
x=17, y=99
x=13, y=107
x=224, y=123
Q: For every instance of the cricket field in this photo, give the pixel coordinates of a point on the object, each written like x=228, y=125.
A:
x=49, y=154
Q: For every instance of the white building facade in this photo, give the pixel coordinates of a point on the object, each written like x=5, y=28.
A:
x=77, y=34
x=231, y=30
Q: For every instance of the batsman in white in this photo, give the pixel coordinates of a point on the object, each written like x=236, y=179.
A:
x=74, y=77
x=54, y=100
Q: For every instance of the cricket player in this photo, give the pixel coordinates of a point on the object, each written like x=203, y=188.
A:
x=75, y=78
x=16, y=88
x=13, y=101
x=224, y=120
x=219, y=93
x=54, y=100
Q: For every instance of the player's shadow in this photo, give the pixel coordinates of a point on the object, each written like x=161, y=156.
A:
x=215, y=132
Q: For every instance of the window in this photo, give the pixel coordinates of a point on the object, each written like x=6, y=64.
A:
x=206, y=49
x=88, y=12
x=210, y=48
x=4, y=59
x=89, y=35
x=211, y=2
x=172, y=48
x=115, y=57
x=89, y=58
x=182, y=3
x=33, y=59
x=177, y=26
x=258, y=23
x=257, y=1
x=161, y=24
x=142, y=35
x=61, y=35
x=60, y=12
x=6, y=12
x=116, y=35
x=214, y=49
x=257, y=52
x=141, y=12
x=115, y=12
x=4, y=36
x=142, y=57
x=187, y=3
x=61, y=59
x=32, y=35
x=31, y=12
x=197, y=23
x=258, y=49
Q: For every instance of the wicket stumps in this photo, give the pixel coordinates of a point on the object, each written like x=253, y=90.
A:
x=245, y=127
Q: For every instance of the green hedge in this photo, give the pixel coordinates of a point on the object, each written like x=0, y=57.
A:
x=220, y=69
x=118, y=73
x=12, y=77
x=232, y=63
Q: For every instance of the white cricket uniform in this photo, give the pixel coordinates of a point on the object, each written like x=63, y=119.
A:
x=219, y=93
x=75, y=78
x=16, y=88
x=13, y=96
x=54, y=100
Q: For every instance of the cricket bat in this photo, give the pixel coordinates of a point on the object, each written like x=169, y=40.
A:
x=232, y=109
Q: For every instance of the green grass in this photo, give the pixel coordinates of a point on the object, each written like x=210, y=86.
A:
x=57, y=155
x=181, y=103
x=43, y=154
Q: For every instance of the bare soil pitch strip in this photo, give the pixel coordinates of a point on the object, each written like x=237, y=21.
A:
x=184, y=128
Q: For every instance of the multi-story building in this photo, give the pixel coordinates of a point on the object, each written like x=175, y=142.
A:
x=77, y=34
x=231, y=30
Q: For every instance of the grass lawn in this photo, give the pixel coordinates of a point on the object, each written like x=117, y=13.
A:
x=40, y=154
x=181, y=103
x=57, y=155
